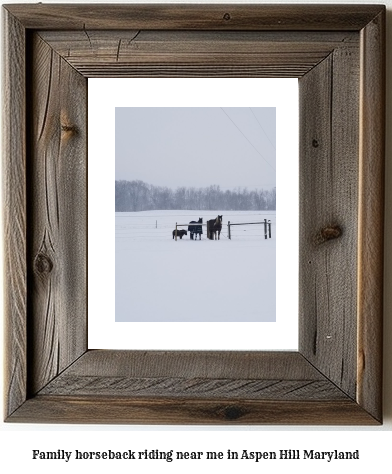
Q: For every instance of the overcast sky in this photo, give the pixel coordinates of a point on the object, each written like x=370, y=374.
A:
x=197, y=146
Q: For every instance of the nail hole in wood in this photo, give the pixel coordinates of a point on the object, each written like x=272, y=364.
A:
x=227, y=16
x=315, y=143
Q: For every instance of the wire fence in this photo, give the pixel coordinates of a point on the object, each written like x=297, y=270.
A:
x=152, y=227
x=266, y=224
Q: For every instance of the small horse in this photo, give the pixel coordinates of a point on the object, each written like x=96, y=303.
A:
x=214, y=227
x=196, y=230
x=180, y=233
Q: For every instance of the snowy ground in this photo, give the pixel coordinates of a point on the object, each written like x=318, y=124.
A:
x=160, y=279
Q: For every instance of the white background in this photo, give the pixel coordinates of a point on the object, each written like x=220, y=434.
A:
x=104, y=333
x=17, y=441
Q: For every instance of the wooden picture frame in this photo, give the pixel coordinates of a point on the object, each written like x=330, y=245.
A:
x=338, y=54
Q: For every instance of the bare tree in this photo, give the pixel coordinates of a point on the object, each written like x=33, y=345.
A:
x=139, y=196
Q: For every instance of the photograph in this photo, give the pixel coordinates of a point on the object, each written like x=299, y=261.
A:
x=195, y=214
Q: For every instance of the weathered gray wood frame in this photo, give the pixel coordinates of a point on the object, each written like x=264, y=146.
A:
x=337, y=52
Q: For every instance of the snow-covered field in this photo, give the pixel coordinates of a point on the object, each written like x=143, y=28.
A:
x=160, y=279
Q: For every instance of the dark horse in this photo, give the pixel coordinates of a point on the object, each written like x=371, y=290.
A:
x=196, y=230
x=180, y=233
x=214, y=227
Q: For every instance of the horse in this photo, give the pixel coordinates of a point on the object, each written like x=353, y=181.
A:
x=214, y=227
x=180, y=233
x=196, y=230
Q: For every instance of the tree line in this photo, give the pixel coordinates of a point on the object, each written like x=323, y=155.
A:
x=137, y=195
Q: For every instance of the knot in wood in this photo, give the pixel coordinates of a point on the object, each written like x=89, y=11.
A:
x=315, y=143
x=328, y=233
x=232, y=413
x=227, y=16
x=69, y=129
x=43, y=264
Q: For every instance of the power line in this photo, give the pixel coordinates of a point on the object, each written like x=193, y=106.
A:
x=262, y=128
x=247, y=139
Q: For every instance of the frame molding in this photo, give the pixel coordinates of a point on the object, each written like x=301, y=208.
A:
x=338, y=54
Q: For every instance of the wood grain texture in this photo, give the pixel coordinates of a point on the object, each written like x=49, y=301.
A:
x=103, y=409
x=58, y=215
x=14, y=202
x=197, y=387
x=190, y=387
x=371, y=216
x=206, y=374
x=195, y=17
x=329, y=168
x=195, y=53
x=205, y=364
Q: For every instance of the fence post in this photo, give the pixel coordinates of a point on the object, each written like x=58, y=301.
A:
x=176, y=230
x=228, y=228
x=265, y=228
x=269, y=228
